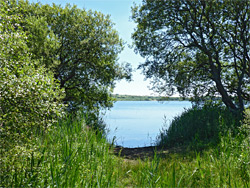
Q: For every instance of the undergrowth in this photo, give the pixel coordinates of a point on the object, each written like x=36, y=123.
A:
x=199, y=127
x=71, y=155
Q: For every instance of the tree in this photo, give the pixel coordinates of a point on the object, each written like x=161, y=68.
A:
x=81, y=49
x=30, y=97
x=197, y=48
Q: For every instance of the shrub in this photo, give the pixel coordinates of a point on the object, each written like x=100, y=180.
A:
x=246, y=124
x=247, y=117
x=30, y=97
x=199, y=126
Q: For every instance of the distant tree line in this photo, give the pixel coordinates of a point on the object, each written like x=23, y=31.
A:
x=146, y=98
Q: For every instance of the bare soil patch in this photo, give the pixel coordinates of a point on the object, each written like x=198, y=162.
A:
x=146, y=152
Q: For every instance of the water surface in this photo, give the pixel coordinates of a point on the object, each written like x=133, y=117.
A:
x=137, y=123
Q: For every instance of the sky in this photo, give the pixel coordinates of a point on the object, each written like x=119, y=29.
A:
x=120, y=12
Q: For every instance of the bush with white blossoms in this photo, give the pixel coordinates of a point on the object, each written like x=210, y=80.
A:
x=30, y=97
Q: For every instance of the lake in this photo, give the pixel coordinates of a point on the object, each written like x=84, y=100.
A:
x=137, y=123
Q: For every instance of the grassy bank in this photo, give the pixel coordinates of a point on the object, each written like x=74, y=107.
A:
x=226, y=166
x=70, y=155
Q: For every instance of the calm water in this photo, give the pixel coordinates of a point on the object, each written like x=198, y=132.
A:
x=137, y=123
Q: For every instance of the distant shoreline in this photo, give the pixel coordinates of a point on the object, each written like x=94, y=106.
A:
x=146, y=98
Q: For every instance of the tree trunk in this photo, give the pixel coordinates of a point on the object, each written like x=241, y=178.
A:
x=217, y=79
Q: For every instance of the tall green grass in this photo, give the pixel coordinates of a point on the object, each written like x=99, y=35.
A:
x=228, y=165
x=71, y=155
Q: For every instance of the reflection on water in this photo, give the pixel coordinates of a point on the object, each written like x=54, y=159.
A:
x=137, y=123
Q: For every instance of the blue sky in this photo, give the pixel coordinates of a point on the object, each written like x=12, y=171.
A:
x=120, y=11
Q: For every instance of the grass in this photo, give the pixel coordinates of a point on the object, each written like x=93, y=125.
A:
x=225, y=166
x=70, y=155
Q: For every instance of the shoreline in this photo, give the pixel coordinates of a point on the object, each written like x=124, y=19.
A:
x=147, y=98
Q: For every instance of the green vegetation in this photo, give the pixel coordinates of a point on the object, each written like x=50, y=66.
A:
x=79, y=48
x=200, y=127
x=68, y=155
x=196, y=48
x=30, y=97
x=145, y=98
x=72, y=155
x=56, y=60
x=225, y=166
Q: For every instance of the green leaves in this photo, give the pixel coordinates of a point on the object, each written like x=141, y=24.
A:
x=52, y=57
x=30, y=99
x=196, y=48
x=81, y=49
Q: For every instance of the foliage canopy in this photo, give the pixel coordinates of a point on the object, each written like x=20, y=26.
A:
x=52, y=57
x=196, y=48
x=79, y=47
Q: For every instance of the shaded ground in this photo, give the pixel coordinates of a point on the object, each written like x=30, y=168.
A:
x=146, y=152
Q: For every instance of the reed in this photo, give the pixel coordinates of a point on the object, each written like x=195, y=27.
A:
x=70, y=155
x=225, y=166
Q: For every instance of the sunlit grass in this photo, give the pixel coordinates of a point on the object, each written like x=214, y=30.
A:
x=72, y=156
x=226, y=166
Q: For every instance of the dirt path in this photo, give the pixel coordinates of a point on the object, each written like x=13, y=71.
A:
x=145, y=152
